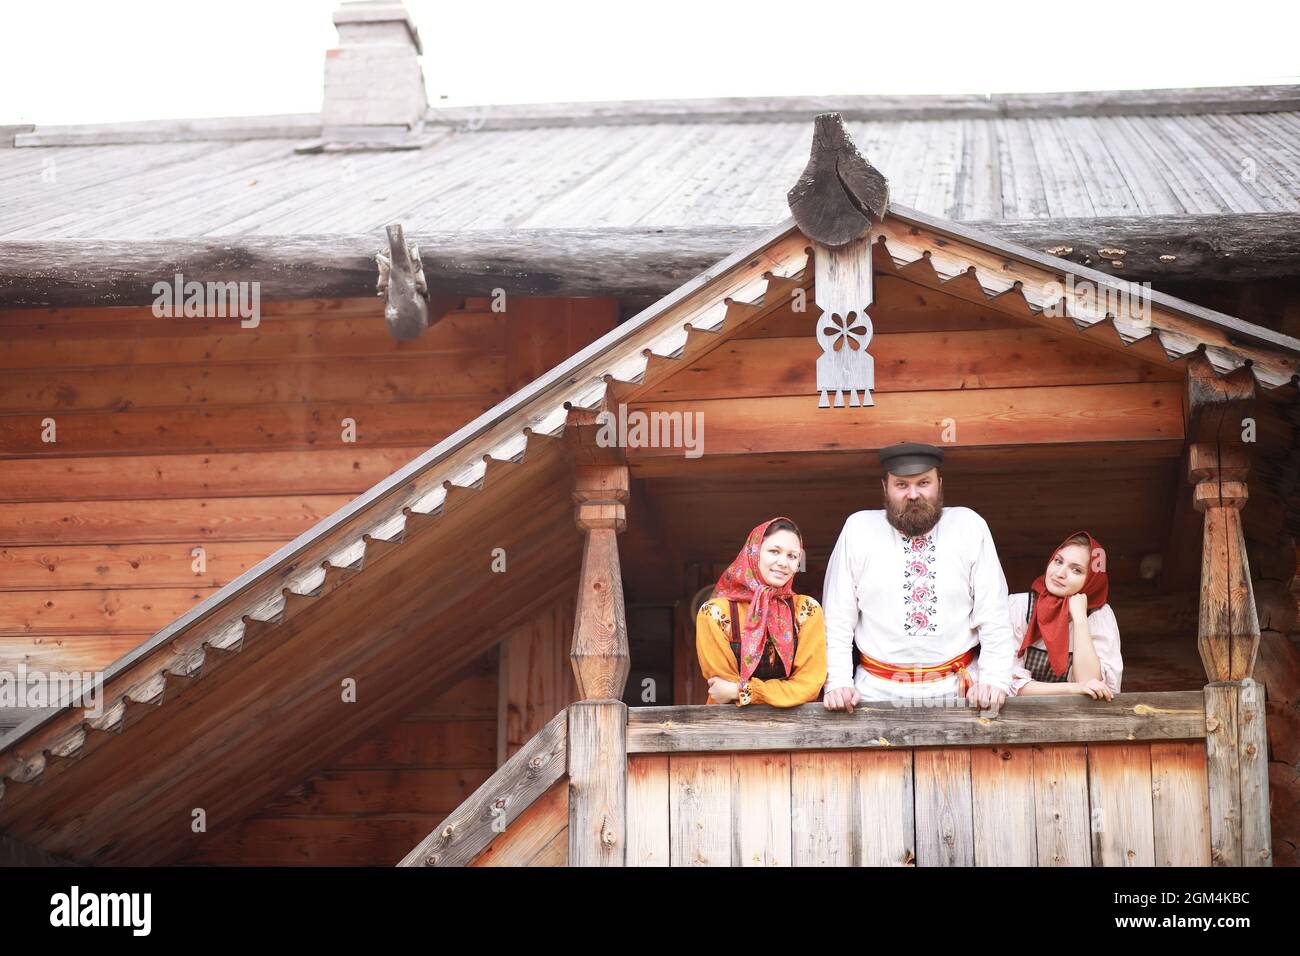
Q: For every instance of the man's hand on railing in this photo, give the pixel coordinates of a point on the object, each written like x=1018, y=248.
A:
x=987, y=697
x=842, y=698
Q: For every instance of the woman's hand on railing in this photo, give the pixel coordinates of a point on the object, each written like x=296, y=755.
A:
x=723, y=691
x=1095, y=689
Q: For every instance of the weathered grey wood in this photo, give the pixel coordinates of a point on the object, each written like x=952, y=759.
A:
x=1119, y=796
x=838, y=188
x=1252, y=759
x=506, y=794
x=1061, y=820
x=884, y=808
x=823, y=831
x=289, y=125
x=1002, y=806
x=1223, y=773
x=700, y=810
x=944, y=822
x=799, y=109
x=760, y=808
x=1180, y=803
x=1169, y=715
x=597, y=783
x=648, y=817
x=779, y=109
x=625, y=261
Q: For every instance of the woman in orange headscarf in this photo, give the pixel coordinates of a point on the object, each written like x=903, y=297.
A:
x=758, y=642
x=1067, y=633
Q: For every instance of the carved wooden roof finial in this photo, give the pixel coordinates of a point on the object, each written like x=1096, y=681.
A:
x=838, y=188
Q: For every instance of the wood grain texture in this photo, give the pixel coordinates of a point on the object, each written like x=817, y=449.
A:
x=761, y=809
x=1002, y=806
x=884, y=807
x=1119, y=787
x=648, y=814
x=1180, y=803
x=1170, y=715
x=597, y=754
x=700, y=810
x=823, y=829
x=1252, y=743
x=505, y=795
x=1061, y=813
x=527, y=841
x=1145, y=411
x=945, y=833
x=1223, y=772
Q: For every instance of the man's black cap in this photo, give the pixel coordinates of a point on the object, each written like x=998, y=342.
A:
x=910, y=458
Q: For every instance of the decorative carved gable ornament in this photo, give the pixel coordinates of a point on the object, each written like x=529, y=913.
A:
x=837, y=199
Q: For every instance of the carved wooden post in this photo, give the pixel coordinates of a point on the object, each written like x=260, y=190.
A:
x=598, y=722
x=600, y=654
x=1236, y=746
x=1228, y=636
x=1218, y=463
x=1236, y=753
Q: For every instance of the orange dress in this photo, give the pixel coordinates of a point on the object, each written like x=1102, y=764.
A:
x=713, y=647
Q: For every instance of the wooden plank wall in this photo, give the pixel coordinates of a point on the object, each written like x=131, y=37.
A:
x=1127, y=804
x=536, y=679
x=373, y=804
x=180, y=433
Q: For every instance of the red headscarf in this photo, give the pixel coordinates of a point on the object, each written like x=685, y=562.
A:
x=769, y=608
x=1051, y=617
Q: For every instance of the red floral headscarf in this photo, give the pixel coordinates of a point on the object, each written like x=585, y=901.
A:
x=1051, y=617
x=769, y=608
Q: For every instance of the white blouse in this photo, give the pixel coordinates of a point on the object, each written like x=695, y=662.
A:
x=1105, y=641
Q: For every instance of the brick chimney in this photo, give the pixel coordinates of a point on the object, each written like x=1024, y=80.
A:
x=374, y=87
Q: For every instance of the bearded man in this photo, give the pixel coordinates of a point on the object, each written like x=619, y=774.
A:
x=915, y=599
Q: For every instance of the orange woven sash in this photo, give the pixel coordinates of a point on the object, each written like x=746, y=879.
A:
x=912, y=673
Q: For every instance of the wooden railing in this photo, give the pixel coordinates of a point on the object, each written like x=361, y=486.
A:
x=1176, y=778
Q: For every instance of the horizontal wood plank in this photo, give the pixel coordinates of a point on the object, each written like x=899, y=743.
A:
x=222, y=474
x=910, y=362
x=1172, y=715
x=1010, y=416
x=380, y=378
x=191, y=521
x=236, y=428
x=126, y=566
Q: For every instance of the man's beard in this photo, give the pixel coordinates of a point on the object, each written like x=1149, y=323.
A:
x=917, y=519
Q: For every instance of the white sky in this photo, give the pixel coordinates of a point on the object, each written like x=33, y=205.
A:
x=83, y=61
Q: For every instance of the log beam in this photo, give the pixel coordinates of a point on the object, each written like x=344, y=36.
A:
x=634, y=261
x=600, y=650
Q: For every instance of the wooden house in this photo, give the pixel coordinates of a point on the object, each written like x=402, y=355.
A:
x=461, y=632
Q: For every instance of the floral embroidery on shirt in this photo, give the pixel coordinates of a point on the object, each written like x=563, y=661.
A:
x=715, y=611
x=806, y=609
x=920, y=597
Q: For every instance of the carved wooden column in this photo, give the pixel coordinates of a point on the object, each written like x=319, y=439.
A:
x=597, y=731
x=1236, y=747
x=1218, y=464
x=1228, y=636
x=600, y=653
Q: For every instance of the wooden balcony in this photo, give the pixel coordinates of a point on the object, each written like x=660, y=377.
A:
x=1167, y=779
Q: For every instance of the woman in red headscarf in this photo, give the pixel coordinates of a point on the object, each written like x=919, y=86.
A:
x=758, y=642
x=1068, y=635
